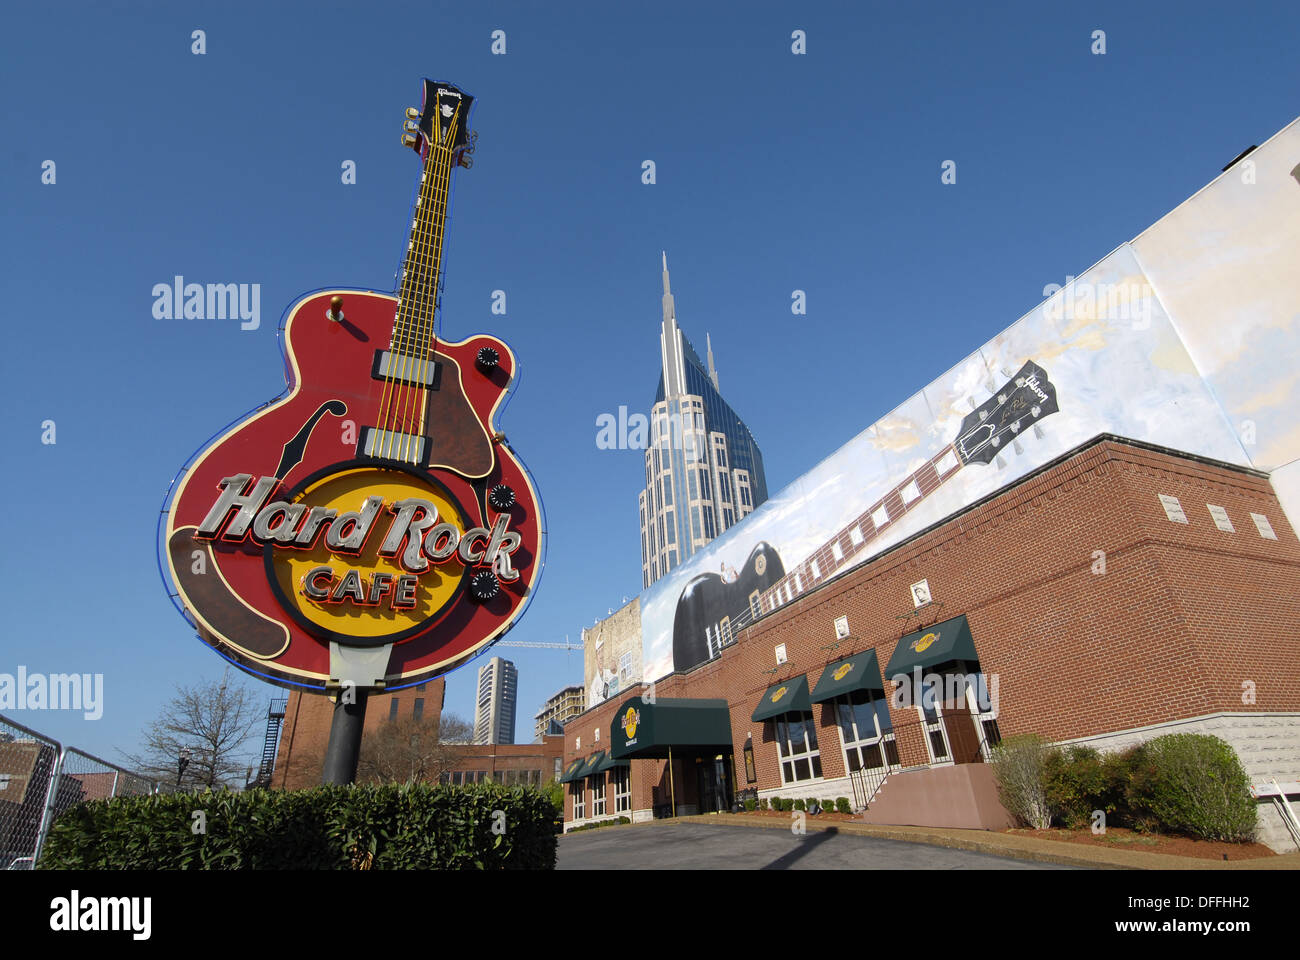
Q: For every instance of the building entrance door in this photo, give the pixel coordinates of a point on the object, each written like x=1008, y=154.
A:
x=714, y=785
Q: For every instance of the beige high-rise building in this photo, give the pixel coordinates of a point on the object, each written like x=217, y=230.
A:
x=498, y=688
x=569, y=702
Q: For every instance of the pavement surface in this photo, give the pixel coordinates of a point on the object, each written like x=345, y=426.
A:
x=749, y=842
x=704, y=846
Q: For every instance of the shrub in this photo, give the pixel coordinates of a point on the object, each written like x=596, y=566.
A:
x=762, y=803
x=1076, y=784
x=751, y=804
x=383, y=826
x=1019, y=768
x=776, y=804
x=842, y=805
x=600, y=823
x=828, y=805
x=1192, y=783
x=800, y=804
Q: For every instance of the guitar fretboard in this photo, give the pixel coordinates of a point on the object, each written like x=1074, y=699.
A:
x=842, y=549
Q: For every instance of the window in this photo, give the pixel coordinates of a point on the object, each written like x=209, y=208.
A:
x=796, y=741
x=928, y=707
x=866, y=731
x=598, y=795
x=579, y=800
x=392, y=709
x=556, y=774
x=622, y=777
x=417, y=709
x=498, y=776
x=596, y=736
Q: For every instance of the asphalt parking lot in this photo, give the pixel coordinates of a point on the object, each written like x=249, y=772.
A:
x=698, y=846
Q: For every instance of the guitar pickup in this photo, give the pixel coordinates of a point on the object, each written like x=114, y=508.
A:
x=405, y=369
x=394, y=445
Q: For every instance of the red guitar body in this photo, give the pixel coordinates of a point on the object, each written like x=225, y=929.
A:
x=329, y=368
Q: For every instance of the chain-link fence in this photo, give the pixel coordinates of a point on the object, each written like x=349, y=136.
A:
x=39, y=779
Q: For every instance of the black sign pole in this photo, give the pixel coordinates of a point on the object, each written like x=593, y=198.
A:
x=344, y=748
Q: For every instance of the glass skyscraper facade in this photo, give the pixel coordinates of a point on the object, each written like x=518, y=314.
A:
x=703, y=469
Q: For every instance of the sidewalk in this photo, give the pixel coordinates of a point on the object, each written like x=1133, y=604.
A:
x=1004, y=845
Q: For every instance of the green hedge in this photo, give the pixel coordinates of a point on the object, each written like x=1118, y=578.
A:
x=381, y=827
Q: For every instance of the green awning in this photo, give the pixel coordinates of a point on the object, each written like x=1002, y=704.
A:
x=607, y=762
x=572, y=771
x=941, y=643
x=594, y=764
x=686, y=726
x=858, y=672
x=785, y=697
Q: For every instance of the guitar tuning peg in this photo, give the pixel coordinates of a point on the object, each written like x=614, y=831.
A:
x=412, y=114
x=410, y=126
x=408, y=140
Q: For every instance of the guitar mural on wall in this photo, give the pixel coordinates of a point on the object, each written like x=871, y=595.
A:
x=712, y=610
x=375, y=505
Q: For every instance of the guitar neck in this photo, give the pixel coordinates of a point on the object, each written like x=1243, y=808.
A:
x=854, y=539
x=413, y=329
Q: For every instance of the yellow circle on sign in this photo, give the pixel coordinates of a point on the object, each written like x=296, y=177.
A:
x=346, y=492
x=843, y=671
x=778, y=694
x=629, y=723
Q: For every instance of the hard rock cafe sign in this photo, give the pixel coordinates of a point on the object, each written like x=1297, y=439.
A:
x=372, y=525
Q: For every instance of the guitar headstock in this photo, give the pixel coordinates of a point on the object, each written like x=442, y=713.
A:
x=442, y=120
x=1022, y=401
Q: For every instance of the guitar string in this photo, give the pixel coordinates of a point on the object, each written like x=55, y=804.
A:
x=411, y=364
x=435, y=264
x=390, y=382
x=416, y=274
x=401, y=338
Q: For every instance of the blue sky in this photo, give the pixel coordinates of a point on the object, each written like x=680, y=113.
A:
x=774, y=172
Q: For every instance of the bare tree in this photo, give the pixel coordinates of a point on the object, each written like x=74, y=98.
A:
x=413, y=750
x=212, y=721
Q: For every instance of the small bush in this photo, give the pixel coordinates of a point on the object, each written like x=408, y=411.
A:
x=828, y=805
x=1076, y=784
x=600, y=823
x=751, y=804
x=842, y=805
x=1019, y=767
x=800, y=804
x=1192, y=783
x=776, y=804
x=762, y=803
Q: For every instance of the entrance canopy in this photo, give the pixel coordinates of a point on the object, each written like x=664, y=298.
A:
x=941, y=643
x=858, y=672
x=784, y=697
x=646, y=729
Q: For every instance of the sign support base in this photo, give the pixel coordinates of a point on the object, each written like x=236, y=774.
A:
x=354, y=672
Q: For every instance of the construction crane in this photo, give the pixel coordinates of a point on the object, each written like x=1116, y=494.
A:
x=566, y=645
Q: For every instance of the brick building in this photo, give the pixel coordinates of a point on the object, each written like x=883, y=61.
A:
x=306, y=729
x=1118, y=593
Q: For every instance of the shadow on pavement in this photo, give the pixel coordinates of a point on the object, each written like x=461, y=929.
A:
x=809, y=844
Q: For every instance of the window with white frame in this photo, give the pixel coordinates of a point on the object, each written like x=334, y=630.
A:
x=598, y=795
x=796, y=742
x=928, y=706
x=866, y=730
x=622, y=778
x=579, y=800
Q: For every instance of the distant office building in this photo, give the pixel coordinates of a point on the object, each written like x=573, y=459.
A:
x=703, y=470
x=498, y=687
x=569, y=702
